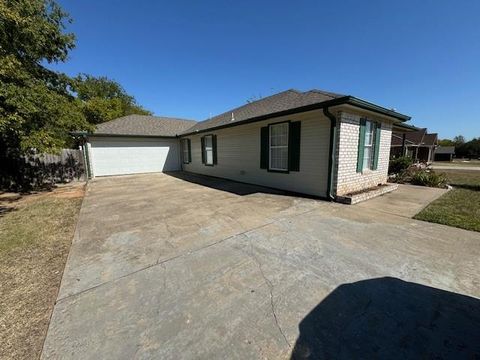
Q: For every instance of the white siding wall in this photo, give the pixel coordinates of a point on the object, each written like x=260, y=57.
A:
x=238, y=151
x=124, y=155
x=347, y=179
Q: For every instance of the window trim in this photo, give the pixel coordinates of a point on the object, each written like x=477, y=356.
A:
x=269, y=168
x=369, y=167
x=205, y=149
x=186, y=160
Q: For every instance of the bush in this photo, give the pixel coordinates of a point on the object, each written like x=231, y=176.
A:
x=399, y=165
x=428, y=178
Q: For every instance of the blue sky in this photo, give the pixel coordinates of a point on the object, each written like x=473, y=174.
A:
x=193, y=58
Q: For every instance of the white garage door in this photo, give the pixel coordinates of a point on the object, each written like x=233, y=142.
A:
x=119, y=156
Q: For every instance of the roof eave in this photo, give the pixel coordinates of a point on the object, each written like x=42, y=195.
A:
x=350, y=100
x=89, y=134
x=401, y=127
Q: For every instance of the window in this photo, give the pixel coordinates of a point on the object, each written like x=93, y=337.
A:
x=186, y=153
x=369, y=145
x=278, y=147
x=209, y=150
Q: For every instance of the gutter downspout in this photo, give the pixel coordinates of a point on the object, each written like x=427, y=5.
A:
x=332, y=150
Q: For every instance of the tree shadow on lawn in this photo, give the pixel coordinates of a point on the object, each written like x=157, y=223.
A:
x=5, y=209
x=388, y=318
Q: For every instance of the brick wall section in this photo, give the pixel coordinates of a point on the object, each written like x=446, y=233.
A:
x=346, y=178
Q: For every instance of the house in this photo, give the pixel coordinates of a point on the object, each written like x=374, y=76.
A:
x=314, y=142
x=419, y=145
x=444, y=153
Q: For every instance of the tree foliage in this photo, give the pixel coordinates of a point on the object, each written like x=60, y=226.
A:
x=40, y=107
x=463, y=149
x=103, y=99
x=459, y=140
x=446, y=142
x=36, y=109
x=469, y=149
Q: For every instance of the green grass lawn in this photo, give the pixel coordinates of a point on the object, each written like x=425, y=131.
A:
x=459, y=207
x=35, y=236
x=463, y=178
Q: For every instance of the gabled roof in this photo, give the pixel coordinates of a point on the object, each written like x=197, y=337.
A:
x=430, y=139
x=286, y=102
x=417, y=138
x=144, y=125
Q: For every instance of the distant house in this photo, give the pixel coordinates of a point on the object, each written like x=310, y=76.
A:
x=444, y=153
x=419, y=145
x=313, y=142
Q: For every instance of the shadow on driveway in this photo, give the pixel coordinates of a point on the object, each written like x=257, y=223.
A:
x=230, y=186
x=388, y=318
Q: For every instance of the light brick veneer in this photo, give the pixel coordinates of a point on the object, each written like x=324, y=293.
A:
x=347, y=179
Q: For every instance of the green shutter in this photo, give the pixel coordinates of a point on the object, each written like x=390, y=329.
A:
x=376, y=149
x=202, y=141
x=264, y=148
x=189, y=150
x=361, y=145
x=294, y=146
x=214, y=149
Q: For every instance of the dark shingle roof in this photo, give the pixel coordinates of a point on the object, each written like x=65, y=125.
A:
x=445, y=150
x=411, y=138
x=419, y=137
x=430, y=139
x=144, y=125
x=285, y=100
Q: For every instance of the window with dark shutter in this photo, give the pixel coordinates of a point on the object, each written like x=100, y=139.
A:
x=278, y=146
x=214, y=148
x=294, y=146
x=376, y=149
x=186, y=151
x=264, y=147
x=202, y=141
x=361, y=145
x=189, y=150
x=368, y=145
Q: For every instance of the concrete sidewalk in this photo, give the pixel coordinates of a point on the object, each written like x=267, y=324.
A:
x=456, y=167
x=407, y=200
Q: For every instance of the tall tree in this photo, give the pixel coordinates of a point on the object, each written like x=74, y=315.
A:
x=459, y=140
x=37, y=110
x=446, y=142
x=103, y=99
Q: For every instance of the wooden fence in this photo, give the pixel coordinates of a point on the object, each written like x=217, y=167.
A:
x=67, y=166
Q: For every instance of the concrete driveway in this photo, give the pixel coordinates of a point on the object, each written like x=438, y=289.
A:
x=186, y=267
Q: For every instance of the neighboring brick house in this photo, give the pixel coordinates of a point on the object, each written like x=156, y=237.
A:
x=419, y=145
x=315, y=142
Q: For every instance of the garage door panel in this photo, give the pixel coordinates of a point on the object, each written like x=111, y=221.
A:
x=133, y=156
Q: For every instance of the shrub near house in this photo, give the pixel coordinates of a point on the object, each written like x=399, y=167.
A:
x=401, y=170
